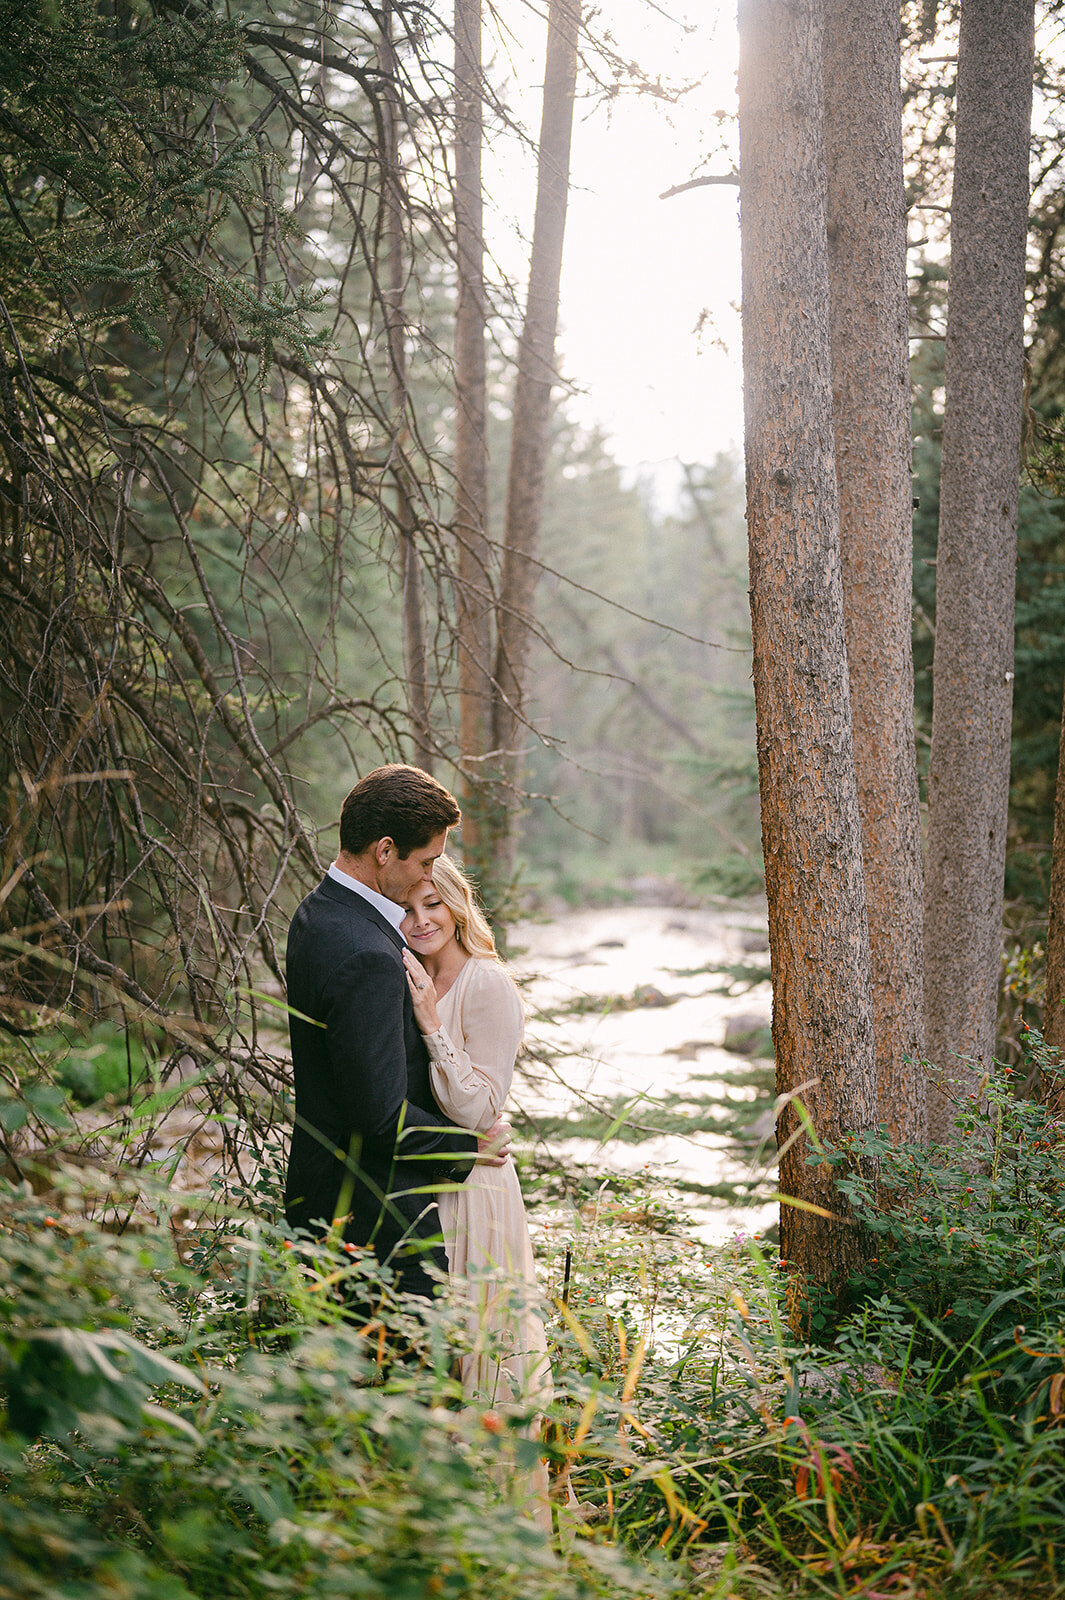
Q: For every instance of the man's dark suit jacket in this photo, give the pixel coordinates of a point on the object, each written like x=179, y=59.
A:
x=367, y=1129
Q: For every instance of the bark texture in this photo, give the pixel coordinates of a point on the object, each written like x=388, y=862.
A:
x=415, y=655
x=529, y=434
x=972, y=674
x=811, y=833
x=866, y=222
x=1054, y=1008
x=475, y=599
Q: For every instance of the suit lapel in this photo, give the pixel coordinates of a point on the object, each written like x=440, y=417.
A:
x=356, y=902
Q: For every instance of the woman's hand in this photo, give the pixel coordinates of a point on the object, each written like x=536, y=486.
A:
x=422, y=993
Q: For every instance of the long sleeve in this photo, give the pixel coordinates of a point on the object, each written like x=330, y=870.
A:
x=472, y=1065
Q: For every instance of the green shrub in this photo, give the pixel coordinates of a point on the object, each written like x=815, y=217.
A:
x=221, y=1430
x=213, y=1427
x=971, y=1236
x=916, y=1448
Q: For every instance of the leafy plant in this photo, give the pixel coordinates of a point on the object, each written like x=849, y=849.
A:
x=914, y=1448
x=214, y=1424
x=223, y=1428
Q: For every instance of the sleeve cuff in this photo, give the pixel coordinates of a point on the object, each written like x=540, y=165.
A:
x=439, y=1046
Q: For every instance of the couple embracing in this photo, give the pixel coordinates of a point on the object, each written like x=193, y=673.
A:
x=405, y=1026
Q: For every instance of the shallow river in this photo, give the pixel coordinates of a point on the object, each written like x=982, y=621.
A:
x=582, y=971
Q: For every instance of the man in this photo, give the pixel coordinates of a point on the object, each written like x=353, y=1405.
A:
x=368, y=1134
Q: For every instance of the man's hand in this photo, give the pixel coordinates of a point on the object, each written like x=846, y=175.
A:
x=493, y=1146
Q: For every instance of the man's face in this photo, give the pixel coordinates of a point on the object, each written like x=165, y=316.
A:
x=396, y=877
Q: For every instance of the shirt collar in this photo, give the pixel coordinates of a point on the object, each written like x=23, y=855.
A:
x=388, y=908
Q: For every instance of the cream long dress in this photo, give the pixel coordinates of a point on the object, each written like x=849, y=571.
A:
x=486, y=1234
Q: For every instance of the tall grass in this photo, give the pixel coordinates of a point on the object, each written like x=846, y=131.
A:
x=915, y=1447
x=188, y=1413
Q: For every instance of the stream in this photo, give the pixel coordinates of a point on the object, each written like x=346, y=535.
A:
x=630, y=1009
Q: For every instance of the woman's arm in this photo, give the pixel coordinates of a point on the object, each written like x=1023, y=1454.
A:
x=471, y=1078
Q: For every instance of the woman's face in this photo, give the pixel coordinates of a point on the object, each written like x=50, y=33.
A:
x=428, y=925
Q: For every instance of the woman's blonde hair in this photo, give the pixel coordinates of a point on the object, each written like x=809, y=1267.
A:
x=471, y=924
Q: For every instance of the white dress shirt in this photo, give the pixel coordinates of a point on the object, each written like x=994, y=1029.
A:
x=388, y=908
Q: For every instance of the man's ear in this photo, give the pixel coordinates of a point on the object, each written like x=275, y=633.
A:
x=383, y=849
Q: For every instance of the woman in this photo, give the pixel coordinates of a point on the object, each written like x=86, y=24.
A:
x=470, y=1012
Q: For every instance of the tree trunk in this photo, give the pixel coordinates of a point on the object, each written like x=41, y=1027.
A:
x=529, y=432
x=474, y=607
x=415, y=656
x=1054, y=1007
x=811, y=832
x=972, y=671
x=866, y=214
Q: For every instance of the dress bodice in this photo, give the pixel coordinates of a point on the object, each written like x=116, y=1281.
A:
x=472, y=1054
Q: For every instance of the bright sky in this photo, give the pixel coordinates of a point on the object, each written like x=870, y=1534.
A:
x=649, y=286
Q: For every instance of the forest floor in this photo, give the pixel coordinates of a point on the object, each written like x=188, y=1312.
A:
x=724, y=1445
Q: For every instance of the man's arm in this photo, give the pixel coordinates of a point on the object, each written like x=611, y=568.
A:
x=364, y=1022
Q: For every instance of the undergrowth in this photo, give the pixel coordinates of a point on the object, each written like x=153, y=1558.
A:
x=188, y=1412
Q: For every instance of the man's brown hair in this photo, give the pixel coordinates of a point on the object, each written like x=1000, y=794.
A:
x=396, y=802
